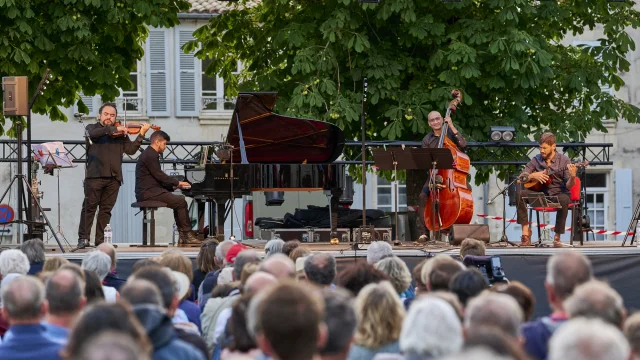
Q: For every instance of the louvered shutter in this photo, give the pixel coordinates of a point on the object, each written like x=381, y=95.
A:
x=187, y=77
x=92, y=103
x=157, y=58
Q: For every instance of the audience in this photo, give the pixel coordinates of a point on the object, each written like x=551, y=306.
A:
x=117, y=317
x=340, y=318
x=431, y=329
x=149, y=310
x=291, y=322
x=100, y=263
x=273, y=247
x=297, y=253
x=357, y=276
x=112, y=278
x=380, y=314
x=24, y=306
x=205, y=262
x=54, y=263
x=280, y=266
x=588, y=339
x=288, y=246
x=378, y=250
x=468, y=284
x=34, y=249
x=320, y=269
x=398, y=274
x=255, y=309
x=473, y=247
x=521, y=293
x=496, y=310
x=565, y=271
x=211, y=279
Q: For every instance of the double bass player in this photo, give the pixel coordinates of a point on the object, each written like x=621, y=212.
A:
x=436, y=123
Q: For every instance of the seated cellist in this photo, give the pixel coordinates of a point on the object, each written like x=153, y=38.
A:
x=435, y=121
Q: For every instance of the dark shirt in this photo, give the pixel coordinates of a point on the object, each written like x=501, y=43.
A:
x=113, y=280
x=198, y=276
x=192, y=311
x=35, y=268
x=150, y=179
x=558, y=180
x=536, y=336
x=104, y=158
x=431, y=140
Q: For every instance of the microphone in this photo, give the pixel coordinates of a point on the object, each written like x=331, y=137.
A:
x=79, y=115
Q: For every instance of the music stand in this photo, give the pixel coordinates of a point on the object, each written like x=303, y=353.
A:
x=408, y=159
x=53, y=156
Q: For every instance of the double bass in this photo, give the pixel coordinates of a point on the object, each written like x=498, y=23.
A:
x=452, y=203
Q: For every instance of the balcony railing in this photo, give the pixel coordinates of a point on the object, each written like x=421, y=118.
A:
x=213, y=103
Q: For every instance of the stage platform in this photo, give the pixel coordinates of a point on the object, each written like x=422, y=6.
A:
x=613, y=263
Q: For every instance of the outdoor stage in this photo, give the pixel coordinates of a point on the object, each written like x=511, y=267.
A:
x=612, y=262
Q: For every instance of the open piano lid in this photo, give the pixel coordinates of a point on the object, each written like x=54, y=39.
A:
x=273, y=138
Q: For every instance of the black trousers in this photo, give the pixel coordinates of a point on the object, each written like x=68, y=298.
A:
x=99, y=194
x=561, y=215
x=179, y=206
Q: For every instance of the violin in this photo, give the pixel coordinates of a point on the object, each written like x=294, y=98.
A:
x=132, y=129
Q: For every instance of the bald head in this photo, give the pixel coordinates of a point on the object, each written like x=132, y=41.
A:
x=65, y=293
x=280, y=266
x=258, y=281
x=23, y=301
x=108, y=249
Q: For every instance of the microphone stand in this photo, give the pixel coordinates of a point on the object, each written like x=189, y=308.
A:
x=503, y=192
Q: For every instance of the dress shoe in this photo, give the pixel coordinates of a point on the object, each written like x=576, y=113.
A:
x=82, y=243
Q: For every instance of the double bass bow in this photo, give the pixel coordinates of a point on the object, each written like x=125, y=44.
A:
x=452, y=202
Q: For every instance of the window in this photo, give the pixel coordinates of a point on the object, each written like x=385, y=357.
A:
x=386, y=196
x=213, y=91
x=130, y=101
x=597, y=201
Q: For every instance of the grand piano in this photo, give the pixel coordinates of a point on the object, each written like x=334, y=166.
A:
x=269, y=152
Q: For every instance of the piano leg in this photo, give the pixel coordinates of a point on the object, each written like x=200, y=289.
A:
x=335, y=204
x=220, y=208
x=212, y=219
x=201, y=210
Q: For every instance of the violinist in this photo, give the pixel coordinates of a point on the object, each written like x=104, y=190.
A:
x=562, y=180
x=104, y=171
x=435, y=121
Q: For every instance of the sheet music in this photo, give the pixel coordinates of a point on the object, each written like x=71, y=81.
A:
x=52, y=154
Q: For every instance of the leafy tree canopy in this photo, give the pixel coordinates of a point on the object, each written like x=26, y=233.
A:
x=505, y=55
x=89, y=45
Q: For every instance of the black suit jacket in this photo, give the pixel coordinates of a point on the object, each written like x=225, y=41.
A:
x=104, y=157
x=150, y=179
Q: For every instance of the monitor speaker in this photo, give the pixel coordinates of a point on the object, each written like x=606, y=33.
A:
x=15, y=94
x=460, y=232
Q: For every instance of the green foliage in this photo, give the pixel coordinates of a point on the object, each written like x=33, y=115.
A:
x=89, y=45
x=505, y=55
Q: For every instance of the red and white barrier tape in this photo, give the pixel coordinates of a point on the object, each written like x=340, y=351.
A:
x=551, y=227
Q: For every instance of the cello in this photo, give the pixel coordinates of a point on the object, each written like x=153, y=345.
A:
x=453, y=203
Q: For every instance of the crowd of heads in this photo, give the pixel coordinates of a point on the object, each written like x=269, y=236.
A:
x=235, y=302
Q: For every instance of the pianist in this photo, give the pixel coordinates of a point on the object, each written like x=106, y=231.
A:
x=152, y=184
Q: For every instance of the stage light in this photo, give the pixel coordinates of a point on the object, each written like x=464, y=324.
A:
x=502, y=133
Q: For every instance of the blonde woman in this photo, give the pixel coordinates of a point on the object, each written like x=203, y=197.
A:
x=380, y=314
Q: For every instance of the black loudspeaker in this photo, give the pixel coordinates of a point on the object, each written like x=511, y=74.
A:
x=460, y=232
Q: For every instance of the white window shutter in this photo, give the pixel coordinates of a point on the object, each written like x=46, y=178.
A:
x=92, y=103
x=157, y=58
x=187, y=77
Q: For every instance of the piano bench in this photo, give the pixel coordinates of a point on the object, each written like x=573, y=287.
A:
x=148, y=207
